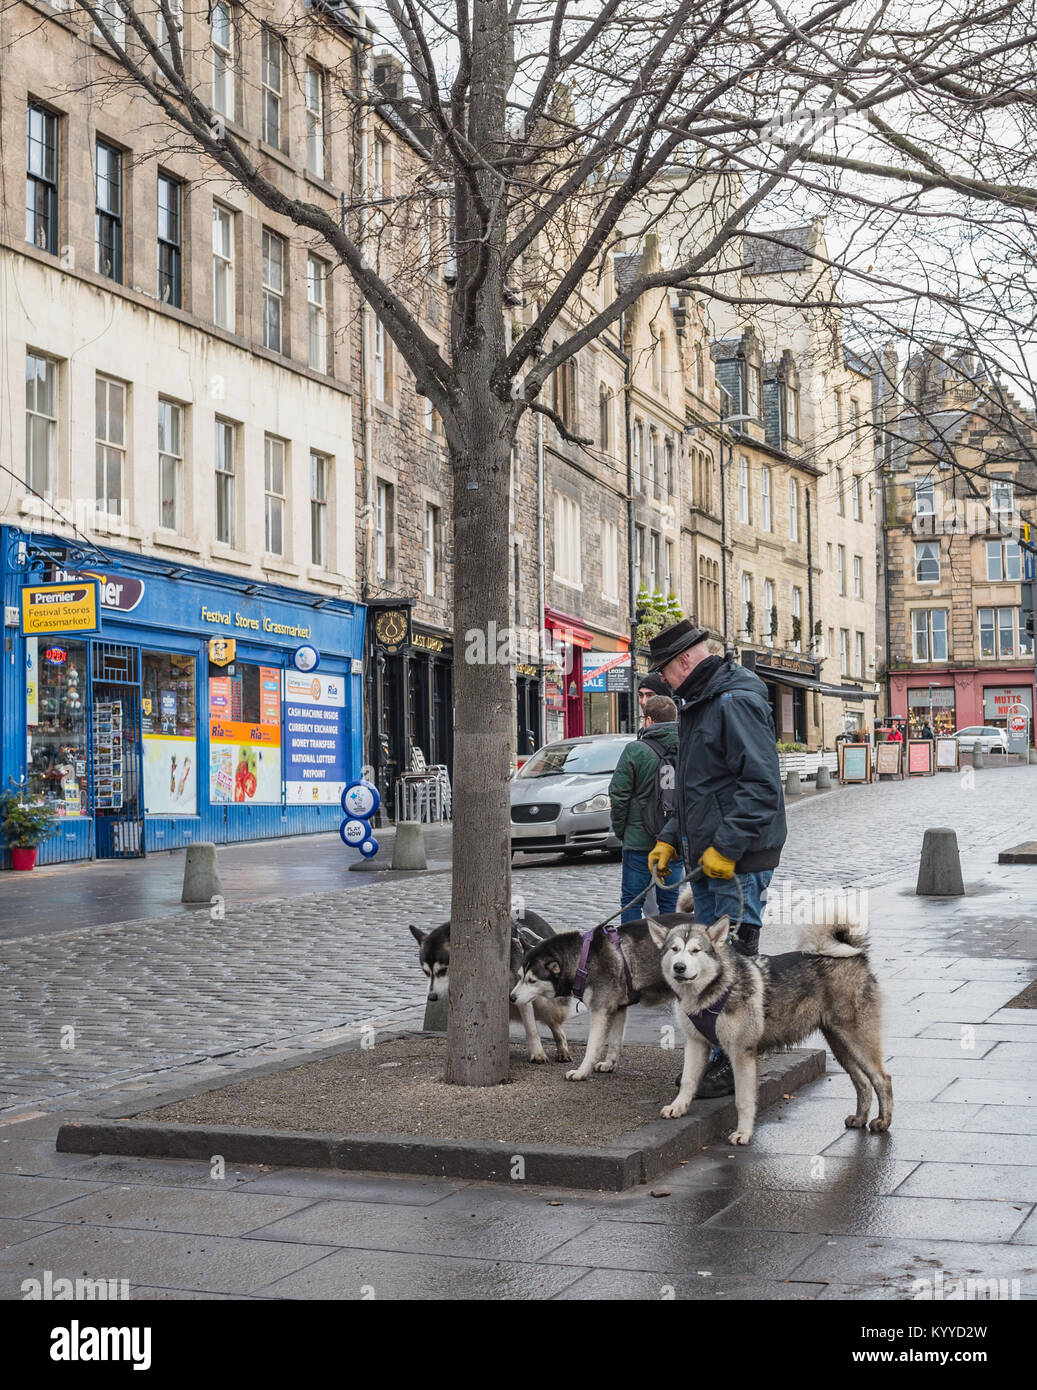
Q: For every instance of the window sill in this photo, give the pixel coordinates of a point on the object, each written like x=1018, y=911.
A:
x=330, y=577
x=272, y=152
x=172, y=540
x=317, y=182
x=569, y=583
x=279, y=565
x=231, y=556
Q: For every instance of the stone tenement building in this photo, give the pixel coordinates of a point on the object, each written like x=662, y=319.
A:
x=961, y=483
x=179, y=422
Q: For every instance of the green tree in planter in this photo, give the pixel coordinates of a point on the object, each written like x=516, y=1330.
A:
x=26, y=824
x=654, y=612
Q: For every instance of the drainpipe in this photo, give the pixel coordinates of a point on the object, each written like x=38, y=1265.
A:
x=810, y=573
x=723, y=526
x=541, y=577
x=631, y=576
x=885, y=588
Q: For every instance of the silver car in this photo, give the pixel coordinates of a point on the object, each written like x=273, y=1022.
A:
x=984, y=736
x=560, y=797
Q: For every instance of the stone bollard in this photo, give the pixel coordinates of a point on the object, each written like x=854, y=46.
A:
x=202, y=880
x=978, y=756
x=408, y=850
x=1031, y=755
x=823, y=782
x=939, y=869
x=792, y=784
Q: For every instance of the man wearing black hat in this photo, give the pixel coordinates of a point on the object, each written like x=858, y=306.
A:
x=730, y=812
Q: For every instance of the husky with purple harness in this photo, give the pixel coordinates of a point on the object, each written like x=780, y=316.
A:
x=610, y=968
x=749, y=1005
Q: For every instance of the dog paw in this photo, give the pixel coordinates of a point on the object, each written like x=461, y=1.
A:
x=879, y=1125
x=540, y=1056
x=855, y=1122
x=565, y=1056
x=676, y=1110
x=739, y=1136
x=605, y=1066
x=577, y=1075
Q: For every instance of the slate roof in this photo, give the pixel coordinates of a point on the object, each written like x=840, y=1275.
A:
x=769, y=258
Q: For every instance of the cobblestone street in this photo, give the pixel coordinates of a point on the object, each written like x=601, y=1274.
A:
x=152, y=994
x=171, y=998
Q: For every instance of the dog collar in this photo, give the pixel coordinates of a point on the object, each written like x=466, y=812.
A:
x=706, y=1021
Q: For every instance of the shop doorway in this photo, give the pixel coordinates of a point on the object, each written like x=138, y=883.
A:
x=115, y=751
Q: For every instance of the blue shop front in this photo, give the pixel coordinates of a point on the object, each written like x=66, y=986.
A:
x=185, y=716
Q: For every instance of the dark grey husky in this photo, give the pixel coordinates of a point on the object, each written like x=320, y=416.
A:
x=548, y=974
x=526, y=932
x=750, y=1005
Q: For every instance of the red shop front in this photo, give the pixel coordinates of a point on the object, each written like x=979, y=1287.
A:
x=565, y=694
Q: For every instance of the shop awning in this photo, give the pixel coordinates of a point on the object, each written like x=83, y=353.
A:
x=805, y=682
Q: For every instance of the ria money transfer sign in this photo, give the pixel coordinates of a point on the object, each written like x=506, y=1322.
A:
x=315, y=737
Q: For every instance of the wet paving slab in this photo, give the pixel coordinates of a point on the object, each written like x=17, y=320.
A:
x=808, y=1211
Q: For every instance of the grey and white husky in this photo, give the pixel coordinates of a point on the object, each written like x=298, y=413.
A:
x=549, y=971
x=526, y=932
x=772, y=1002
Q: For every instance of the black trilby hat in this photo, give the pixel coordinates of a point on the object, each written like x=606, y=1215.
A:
x=673, y=640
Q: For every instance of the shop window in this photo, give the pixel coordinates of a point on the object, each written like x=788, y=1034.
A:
x=244, y=734
x=932, y=706
x=169, y=726
x=56, y=716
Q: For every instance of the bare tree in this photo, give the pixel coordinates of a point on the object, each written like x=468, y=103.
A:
x=564, y=130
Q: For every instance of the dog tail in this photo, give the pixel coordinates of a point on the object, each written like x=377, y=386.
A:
x=686, y=900
x=836, y=931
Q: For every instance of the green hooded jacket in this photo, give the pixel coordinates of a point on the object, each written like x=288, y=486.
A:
x=633, y=784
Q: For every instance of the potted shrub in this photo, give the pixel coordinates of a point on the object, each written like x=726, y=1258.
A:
x=25, y=826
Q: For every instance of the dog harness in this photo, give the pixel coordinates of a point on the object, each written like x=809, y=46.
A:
x=580, y=978
x=706, y=1021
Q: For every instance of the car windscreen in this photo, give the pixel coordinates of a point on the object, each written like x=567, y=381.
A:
x=590, y=759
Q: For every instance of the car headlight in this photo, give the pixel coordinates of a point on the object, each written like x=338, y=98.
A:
x=600, y=802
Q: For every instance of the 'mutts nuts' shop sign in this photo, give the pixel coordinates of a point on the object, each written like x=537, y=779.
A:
x=232, y=618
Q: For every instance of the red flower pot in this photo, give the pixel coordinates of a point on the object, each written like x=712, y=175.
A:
x=23, y=858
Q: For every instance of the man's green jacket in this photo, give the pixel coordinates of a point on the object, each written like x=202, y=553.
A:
x=633, y=784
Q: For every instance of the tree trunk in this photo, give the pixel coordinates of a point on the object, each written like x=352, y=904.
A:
x=477, y=1038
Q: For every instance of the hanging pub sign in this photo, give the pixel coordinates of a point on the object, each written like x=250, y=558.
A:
x=60, y=608
x=222, y=650
x=392, y=629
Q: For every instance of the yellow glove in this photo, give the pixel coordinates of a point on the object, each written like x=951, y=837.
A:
x=659, y=859
x=715, y=864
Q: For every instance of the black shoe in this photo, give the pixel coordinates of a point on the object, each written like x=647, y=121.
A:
x=719, y=1079
x=747, y=942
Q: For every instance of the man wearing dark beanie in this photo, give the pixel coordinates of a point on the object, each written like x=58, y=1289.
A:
x=730, y=808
